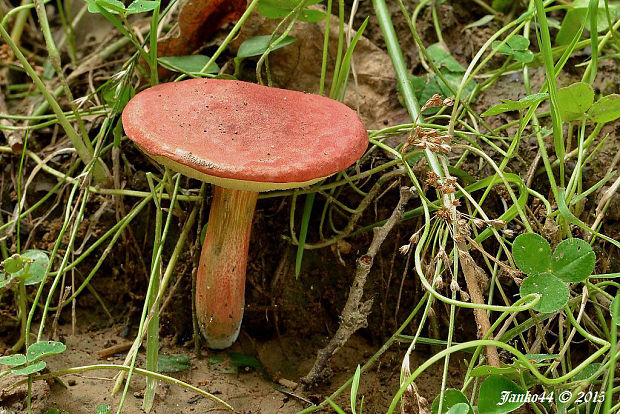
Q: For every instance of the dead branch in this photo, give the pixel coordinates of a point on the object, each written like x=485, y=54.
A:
x=473, y=275
x=355, y=312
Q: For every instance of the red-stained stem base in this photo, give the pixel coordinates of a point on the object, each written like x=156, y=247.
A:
x=220, y=284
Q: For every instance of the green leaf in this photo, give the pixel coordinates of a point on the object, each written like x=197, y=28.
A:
x=510, y=105
x=537, y=358
x=111, y=6
x=573, y=260
x=588, y=373
x=502, y=5
x=172, y=363
x=494, y=391
x=614, y=309
x=34, y=272
x=335, y=406
x=103, y=409
x=230, y=363
x=434, y=85
x=5, y=279
x=303, y=232
x=221, y=363
x=451, y=398
x=142, y=6
x=574, y=100
x=117, y=96
x=460, y=408
x=518, y=42
x=189, y=64
x=354, y=388
x=443, y=59
x=480, y=22
x=311, y=15
x=277, y=9
x=554, y=293
x=516, y=47
x=14, y=264
x=484, y=370
x=453, y=80
x=272, y=12
x=532, y=253
x=576, y=16
x=30, y=369
x=44, y=348
x=606, y=109
x=523, y=56
x=13, y=360
x=257, y=45
x=243, y=360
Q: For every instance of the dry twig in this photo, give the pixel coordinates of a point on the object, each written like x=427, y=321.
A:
x=355, y=312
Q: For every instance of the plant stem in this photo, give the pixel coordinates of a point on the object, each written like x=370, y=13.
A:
x=84, y=150
x=220, y=283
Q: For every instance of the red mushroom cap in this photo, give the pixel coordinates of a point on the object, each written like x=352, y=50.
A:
x=245, y=136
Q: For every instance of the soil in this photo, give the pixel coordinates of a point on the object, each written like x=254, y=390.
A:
x=249, y=391
x=287, y=319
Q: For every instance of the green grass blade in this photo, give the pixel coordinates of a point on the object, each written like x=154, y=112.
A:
x=545, y=47
x=305, y=220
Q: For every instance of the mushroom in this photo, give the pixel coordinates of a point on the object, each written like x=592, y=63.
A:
x=244, y=138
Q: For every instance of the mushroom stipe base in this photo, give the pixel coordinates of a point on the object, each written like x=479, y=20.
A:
x=220, y=283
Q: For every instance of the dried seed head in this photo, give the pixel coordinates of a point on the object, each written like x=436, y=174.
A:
x=448, y=189
x=439, y=282
x=433, y=102
x=478, y=223
x=498, y=224
x=404, y=249
x=508, y=232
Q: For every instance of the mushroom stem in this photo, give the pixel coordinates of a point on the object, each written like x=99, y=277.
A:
x=220, y=283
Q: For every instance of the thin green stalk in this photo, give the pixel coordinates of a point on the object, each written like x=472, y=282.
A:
x=153, y=46
x=68, y=213
x=556, y=118
x=100, y=173
x=477, y=343
x=20, y=22
x=117, y=230
x=333, y=91
x=398, y=61
x=153, y=280
x=152, y=335
x=446, y=365
x=325, y=48
x=83, y=150
x=72, y=236
x=231, y=35
x=609, y=395
x=590, y=76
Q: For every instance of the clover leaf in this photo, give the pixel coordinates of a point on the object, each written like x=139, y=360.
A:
x=515, y=47
x=572, y=261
